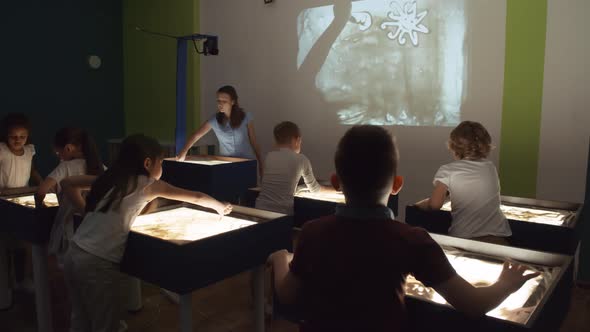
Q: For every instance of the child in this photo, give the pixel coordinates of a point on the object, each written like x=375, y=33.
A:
x=16, y=153
x=473, y=185
x=78, y=156
x=115, y=200
x=284, y=167
x=16, y=171
x=349, y=269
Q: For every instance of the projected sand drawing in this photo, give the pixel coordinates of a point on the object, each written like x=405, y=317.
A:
x=406, y=21
x=398, y=62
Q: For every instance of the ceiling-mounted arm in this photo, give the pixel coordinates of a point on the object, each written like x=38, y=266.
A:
x=209, y=48
x=209, y=41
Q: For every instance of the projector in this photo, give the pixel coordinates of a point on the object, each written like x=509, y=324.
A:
x=210, y=45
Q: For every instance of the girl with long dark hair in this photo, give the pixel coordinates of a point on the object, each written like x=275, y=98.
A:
x=116, y=198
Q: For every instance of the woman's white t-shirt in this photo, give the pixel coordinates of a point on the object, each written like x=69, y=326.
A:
x=15, y=171
x=104, y=234
x=474, y=188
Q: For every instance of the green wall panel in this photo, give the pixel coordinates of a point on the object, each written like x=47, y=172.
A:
x=526, y=22
x=150, y=66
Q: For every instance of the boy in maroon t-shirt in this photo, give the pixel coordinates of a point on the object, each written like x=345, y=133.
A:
x=348, y=270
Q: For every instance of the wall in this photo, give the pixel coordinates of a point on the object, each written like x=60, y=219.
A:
x=526, y=22
x=46, y=74
x=258, y=45
x=565, y=123
x=258, y=55
x=584, y=258
x=150, y=66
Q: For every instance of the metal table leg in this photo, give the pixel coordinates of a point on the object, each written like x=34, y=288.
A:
x=134, y=301
x=42, y=296
x=259, y=299
x=5, y=291
x=186, y=319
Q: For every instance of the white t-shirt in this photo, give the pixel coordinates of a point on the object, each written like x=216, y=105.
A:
x=67, y=168
x=105, y=234
x=475, y=198
x=282, y=170
x=63, y=226
x=15, y=171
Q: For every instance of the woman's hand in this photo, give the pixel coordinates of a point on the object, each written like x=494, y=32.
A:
x=260, y=170
x=181, y=156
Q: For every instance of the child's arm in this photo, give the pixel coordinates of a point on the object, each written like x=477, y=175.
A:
x=150, y=207
x=204, y=129
x=165, y=190
x=437, y=198
x=309, y=179
x=477, y=301
x=35, y=178
x=255, y=147
x=327, y=189
x=46, y=186
x=286, y=284
x=72, y=188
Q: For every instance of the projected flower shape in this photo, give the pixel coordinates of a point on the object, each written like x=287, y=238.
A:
x=406, y=20
x=363, y=19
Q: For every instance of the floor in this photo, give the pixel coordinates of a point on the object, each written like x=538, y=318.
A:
x=222, y=307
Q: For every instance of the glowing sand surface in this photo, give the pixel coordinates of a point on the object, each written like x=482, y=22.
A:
x=482, y=271
x=542, y=216
x=29, y=200
x=183, y=224
x=336, y=197
x=207, y=162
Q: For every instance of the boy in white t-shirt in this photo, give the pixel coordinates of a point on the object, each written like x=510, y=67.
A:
x=283, y=168
x=473, y=186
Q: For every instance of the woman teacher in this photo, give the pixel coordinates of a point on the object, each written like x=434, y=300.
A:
x=232, y=126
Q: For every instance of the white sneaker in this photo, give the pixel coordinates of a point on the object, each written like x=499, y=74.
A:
x=122, y=326
x=171, y=296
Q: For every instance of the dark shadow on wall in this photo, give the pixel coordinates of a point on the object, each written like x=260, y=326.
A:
x=584, y=258
x=46, y=74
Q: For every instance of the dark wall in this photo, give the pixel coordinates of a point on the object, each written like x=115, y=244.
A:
x=45, y=72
